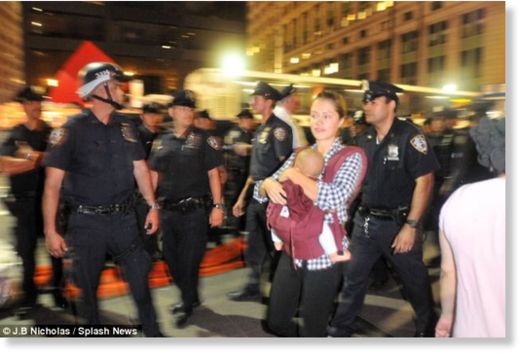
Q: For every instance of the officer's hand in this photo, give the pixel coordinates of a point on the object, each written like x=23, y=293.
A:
x=56, y=244
x=404, y=240
x=275, y=191
x=238, y=208
x=151, y=224
x=241, y=149
x=443, y=328
x=278, y=245
x=216, y=217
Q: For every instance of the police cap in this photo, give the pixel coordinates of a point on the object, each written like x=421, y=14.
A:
x=94, y=74
x=29, y=93
x=444, y=113
x=263, y=89
x=245, y=113
x=152, y=108
x=374, y=89
x=287, y=91
x=204, y=114
x=183, y=98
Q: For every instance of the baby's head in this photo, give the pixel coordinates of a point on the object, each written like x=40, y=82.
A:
x=309, y=162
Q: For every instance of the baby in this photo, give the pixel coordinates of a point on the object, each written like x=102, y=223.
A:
x=310, y=162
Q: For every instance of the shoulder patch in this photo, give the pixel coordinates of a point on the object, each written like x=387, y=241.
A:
x=212, y=141
x=57, y=136
x=419, y=143
x=128, y=132
x=280, y=134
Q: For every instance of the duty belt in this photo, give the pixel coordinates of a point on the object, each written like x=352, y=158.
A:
x=398, y=214
x=112, y=209
x=186, y=204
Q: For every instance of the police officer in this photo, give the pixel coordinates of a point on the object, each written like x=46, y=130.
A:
x=272, y=144
x=394, y=198
x=285, y=108
x=184, y=163
x=150, y=127
x=22, y=155
x=237, y=154
x=97, y=155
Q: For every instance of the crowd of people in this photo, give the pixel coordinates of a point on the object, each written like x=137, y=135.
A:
x=320, y=219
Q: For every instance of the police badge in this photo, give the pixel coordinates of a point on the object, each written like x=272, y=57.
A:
x=419, y=143
x=128, y=133
x=213, y=143
x=393, y=152
x=57, y=136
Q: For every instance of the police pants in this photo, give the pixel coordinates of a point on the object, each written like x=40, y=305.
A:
x=28, y=227
x=91, y=238
x=184, y=243
x=366, y=248
x=312, y=292
x=259, y=245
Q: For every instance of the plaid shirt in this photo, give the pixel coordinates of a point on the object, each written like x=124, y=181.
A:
x=331, y=196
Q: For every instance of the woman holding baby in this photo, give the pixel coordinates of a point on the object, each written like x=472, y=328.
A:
x=305, y=284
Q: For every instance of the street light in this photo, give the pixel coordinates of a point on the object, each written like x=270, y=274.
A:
x=232, y=64
x=449, y=88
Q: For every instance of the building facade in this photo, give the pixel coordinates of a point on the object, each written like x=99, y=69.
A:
x=11, y=50
x=432, y=43
x=159, y=42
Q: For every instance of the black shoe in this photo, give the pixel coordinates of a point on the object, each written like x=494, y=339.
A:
x=338, y=332
x=182, y=320
x=378, y=284
x=24, y=311
x=179, y=307
x=59, y=300
x=245, y=295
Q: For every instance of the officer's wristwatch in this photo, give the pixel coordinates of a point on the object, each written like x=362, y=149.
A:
x=218, y=205
x=155, y=205
x=413, y=223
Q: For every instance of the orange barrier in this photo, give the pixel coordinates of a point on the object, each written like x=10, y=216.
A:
x=217, y=260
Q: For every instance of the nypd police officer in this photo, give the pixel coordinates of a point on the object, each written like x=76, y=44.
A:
x=237, y=153
x=394, y=198
x=96, y=156
x=149, y=129
x=184, y=163
x=21, y=159
x=272, y=144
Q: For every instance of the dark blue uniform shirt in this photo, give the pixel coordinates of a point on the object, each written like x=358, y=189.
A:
x=272, y=144
x=98, y=158
x=394, y=164
x=183, y=163
x=31, y=181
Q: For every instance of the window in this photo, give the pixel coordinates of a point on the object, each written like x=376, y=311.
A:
x=330, y=46
x=408, y=15
x=436, y=65
x=384, y=49
x=364, y=56
x=345, y=40
x=435, y=5
x=383, y=75
x=363, y=33
x=331, y=19
x=408, y=73
x=345, y=62
x=317, y=20
x=409, y=42
x=470, y=61
x=437, y=33
x=346, y=8
x=305, y=34
x=473, y=23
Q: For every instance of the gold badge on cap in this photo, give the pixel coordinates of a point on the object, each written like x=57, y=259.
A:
x=280, y=134
x=57, y=136
x=128, y=133
x=419, y=143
